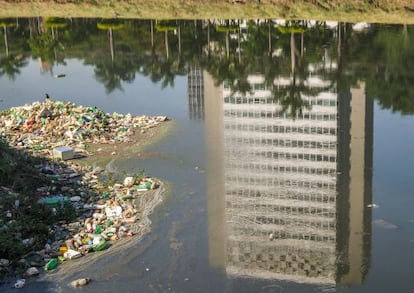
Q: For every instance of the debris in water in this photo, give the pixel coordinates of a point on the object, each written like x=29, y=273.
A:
x=80, y=282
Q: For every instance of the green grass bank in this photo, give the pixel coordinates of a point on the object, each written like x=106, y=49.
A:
x=380, y=11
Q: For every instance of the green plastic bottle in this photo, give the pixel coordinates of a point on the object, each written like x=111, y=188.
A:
x=51, y=264
x=102, y=245
x=99, y=229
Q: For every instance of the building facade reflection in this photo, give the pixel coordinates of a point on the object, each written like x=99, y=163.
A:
x=287, y=197
x=195, y=90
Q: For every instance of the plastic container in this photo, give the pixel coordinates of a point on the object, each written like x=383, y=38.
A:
x=98, y=230
x=102, y=245
x=51, y=264
x=54, y=200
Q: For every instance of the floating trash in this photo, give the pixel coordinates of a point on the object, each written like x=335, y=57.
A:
x=80, y=282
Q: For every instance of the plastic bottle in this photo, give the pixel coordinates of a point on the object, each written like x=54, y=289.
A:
x=51, y=264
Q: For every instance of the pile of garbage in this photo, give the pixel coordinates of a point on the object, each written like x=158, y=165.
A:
x=41, y=126
x=106, y=213
x=107, y=210
x=109, y=215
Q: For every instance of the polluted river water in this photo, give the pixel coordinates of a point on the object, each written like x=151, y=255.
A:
x=257, y=200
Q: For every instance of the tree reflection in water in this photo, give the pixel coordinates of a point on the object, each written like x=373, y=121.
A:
x=229, y=50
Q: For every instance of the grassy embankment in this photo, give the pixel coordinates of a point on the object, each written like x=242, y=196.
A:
x=383, y=11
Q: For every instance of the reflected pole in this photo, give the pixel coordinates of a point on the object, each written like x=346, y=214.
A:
x=208, y=37
x=111, y=44
x=270, y=37
x=179, y=40
x=152, y=34
x=6, y=44
x=228, y=44
x=167, y=51
x=292, y=51
x=238, y=43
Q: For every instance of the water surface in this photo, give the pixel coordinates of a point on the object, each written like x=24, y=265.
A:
x=291, y=158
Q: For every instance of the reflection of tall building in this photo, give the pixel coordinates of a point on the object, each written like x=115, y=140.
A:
x=354, y=185
x=292, y=203
x=195, y=93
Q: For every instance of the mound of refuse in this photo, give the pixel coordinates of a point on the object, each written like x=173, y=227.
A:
x=42, y=126
x=106, y=214
x=106, y=209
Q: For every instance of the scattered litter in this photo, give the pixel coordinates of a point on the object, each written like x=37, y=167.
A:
x=80, y=282
x=72, y=254
x=108, y=213
x=4, y=262
x=63, y=153
x=53, y=200
x=373, y=205
x=20, y=283
x=51, y=264
x=41, y=127
x=75, y=198
x=28, y=241
x=129, y=181
x=32, y=271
